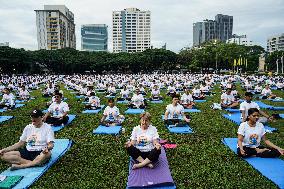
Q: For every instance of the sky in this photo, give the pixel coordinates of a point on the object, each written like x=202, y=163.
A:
x=171, y=20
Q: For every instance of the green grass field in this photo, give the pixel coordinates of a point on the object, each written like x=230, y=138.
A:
x=96, y=161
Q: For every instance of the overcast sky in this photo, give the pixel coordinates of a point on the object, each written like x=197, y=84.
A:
x=171, y=20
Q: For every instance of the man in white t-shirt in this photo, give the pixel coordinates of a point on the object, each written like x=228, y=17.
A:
x=228, y=100
x=175, y=113
x=111, y=115
x=93, y=102
x=187, y=100
x=247, y=104
x=137, y=101
x=8, y=99
x=57, y=113
x=267, y=93
x=38, y=139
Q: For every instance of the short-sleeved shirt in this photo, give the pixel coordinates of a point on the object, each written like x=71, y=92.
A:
x=246, y=106
x=8, y=99
x=57, y=110
x=186, y=98
x=227, y=99
x=252, y=135
x=144, y=138
x=266, y=92
x=111, y=113
x=37, y=138
x=174, y=111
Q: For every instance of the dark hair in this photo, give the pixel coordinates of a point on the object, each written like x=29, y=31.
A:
x=111, y=100
x=248, y=94
x=251, y=111
x=92, y=94
x=176, y=96
x=59, y=94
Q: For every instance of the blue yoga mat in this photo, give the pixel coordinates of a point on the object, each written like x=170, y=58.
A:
x=232, y=110
x=16, y=106
x=275, y=100
x=134, y=111
x=263, y=105
x=59, y=127
x=80, y=96
x=111, y=130
x=156, y=101
x=5, y=118
x=271, y=168
x=236, y=118
x=281, y=115
x=277, y=108
x=109, y=96
x=199, y=100
x=93, y=111
x=179, y=130
x=123, y=102
x=191, y=110
x=33, y=174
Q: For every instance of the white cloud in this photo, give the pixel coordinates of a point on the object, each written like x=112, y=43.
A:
x=171, y=21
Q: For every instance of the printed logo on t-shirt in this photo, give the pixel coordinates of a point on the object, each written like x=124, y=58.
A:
x=142, y=141
x=253, y=139
x=32, y=140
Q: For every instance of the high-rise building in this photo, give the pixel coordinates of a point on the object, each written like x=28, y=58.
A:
x=275, y=43
x=55, y=27
x=224, y=28
x=221, y=29
x=240, y=40
x=131, y=30
x=94, y=37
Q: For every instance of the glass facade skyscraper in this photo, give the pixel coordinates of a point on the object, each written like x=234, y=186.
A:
x=94, y=37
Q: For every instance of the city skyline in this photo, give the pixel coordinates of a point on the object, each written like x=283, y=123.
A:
x=171, y=22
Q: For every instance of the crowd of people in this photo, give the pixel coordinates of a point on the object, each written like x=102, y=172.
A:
x=143, y=146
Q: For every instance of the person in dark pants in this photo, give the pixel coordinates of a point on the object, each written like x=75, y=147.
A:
x=143, y=145
x=250, y=133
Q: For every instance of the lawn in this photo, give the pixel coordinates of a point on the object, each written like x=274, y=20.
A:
x=95, y=161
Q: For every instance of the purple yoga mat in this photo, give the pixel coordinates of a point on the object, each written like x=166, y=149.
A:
x=160, y=175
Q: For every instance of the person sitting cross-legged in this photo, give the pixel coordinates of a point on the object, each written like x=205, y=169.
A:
x=228, y=100
x=38, y=139
x=187, y=100
x=8, y=99
x=155, y=94
x=174, y=113
x=93, y=102
x=111, y=115
x=57, y=112
x=250, y=134
x=143, y=146
x=137, y=100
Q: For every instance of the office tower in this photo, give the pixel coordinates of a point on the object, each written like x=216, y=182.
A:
x=275, y=43
x=131, y=30
x=94, y=37
x=55, y=27
x=221, y=29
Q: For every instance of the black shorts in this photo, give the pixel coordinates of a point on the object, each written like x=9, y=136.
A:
x=29, y=155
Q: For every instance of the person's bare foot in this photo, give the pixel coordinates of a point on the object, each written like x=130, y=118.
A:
x=261, y=150
x=15, y=167
x=137, y=166
x=150, y=165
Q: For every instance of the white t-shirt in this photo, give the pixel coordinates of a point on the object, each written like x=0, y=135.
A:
x=94, y=101
x=196, y=92
x=57, y=110
x=227, y=99
x=111, y=113
x=252, y=135
x=174, y=111
x=37, y=138
x=144, y=138
x=186, y=98
x=155, y=92
x=246, y=106
x=265, y=92
x=8, y=99
x=137, y=99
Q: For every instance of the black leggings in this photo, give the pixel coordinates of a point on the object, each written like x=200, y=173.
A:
x=6, y=106
x=56, y=121
x=152, y=155
x=271, y=153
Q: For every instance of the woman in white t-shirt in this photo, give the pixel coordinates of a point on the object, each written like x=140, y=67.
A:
x=155, y=93
x=38, y=139
x=94, y=102
x=187, y=100
x=143, y=145
x=111, y=115
x=267, y=93
x=250, y=134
